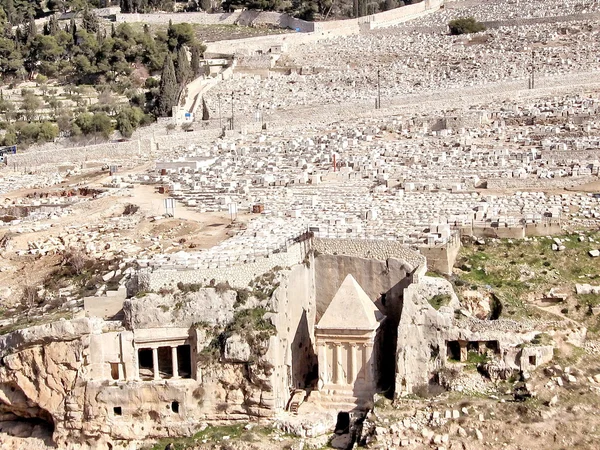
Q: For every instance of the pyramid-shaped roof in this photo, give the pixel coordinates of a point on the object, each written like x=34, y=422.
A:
x=351, y=308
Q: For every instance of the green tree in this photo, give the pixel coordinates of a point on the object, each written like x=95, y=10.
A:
x=28, y=132
x=128, y=119
x=464, y=25
x=184, y=71
x=11, y=59
x=390, y=4
x=102, y=125
x=169, y=89
x=31, y=30
x=7, y=108
x=179, y=35
x=196, y=58
x=10, y=136
x=48, y=132
x=31, y=105
x=90, y=21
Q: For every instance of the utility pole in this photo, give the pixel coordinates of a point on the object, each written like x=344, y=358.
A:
x=378, y=90
x=232, y=110
x=532, y=79
x=220, y=117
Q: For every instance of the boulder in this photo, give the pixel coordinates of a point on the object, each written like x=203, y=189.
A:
x=237, y=350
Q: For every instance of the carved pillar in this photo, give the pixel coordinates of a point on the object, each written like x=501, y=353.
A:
x=352, y=365
x=367, y=362
x=322, y=355
x=463, y=350
x=338, y=365
x=121, y=371
x=175, y=362
x=155, y=363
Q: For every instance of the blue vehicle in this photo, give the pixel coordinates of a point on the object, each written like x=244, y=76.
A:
x=9, y=150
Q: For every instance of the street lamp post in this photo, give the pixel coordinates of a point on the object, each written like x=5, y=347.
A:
x=232, y=111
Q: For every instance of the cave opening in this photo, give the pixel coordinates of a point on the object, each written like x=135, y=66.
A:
x=146, y=363
x=165, y=362
x=184, y=361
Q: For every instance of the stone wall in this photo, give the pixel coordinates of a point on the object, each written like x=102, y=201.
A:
x=238, y=276
x=117, y=151
x=243, y=18
x=325, y=30
x=441, y=258
x=283, y=20
x=541, y=183
x=546, y=228
x=369, y=248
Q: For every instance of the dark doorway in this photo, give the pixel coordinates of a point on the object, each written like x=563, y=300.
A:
x=114, y=371
x=184, y=361
x=165, y=362
x=453, y=350
x=342, y=425
x=146, y=364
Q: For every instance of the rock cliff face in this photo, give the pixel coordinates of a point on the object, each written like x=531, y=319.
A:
x=422, y=332
x=180, y=310
x=42, y=380
x=218, y=357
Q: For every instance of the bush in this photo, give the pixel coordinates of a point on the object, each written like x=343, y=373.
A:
x=439, y=300
x=465, y=25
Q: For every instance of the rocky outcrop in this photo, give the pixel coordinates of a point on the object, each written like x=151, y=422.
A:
x=207, y=305
x=43, y=334
x=421, y=333
x=43, y=382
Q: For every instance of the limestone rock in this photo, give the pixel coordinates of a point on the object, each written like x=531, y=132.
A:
x=236, y=349
x=182, y=310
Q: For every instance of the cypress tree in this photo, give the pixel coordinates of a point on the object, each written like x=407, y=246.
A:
x=11, y=13
x=31, y=30
x=90, y=21
x=196, y=61
x=183, y=72
x=53, y=27
x=73, y=29
x=169, y=89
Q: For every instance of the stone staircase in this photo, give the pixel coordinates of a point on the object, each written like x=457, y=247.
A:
x=336, y=400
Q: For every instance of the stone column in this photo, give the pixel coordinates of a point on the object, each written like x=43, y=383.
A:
x=352, y=368
x=121, y=371
x=367, y=363
x=155, y=363
x=463, y=350
x=338, y=365
x=322, y=356
x=175, y=362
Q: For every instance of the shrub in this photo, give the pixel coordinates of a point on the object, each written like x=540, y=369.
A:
x=439, y=300
x=465, y=25
x=221, y=288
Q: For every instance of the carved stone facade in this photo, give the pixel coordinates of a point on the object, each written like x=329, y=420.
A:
x=345, y=340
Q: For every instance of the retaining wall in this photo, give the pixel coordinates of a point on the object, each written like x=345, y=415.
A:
x=539, y=183
x=309, y=31
x=441, y=258
x=244, y=18
x=238, y=276
x=77, y=155
x=369, y=248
